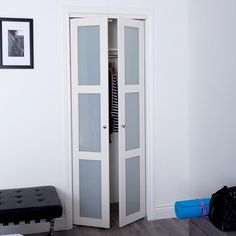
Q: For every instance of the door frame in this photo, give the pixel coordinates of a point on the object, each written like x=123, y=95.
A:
x=142, y=14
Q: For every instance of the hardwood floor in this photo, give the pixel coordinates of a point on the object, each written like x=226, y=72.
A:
x=169, y=227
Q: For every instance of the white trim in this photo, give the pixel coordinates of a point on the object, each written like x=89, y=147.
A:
x=150, y=118
x=163, y=212
x=68, y=124
x=32, y=228
x=138, y=13
x=76, y=11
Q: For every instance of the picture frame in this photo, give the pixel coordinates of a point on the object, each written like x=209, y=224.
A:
x=16, y=43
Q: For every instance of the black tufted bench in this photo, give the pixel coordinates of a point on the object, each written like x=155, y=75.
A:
x=30, y=204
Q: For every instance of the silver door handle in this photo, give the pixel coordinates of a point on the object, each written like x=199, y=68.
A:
x=123, y=126
x=104, y=126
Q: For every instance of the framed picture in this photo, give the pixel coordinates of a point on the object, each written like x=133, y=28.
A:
x=16, y=43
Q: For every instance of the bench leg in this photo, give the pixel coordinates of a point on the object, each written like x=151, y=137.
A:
x=51, y=232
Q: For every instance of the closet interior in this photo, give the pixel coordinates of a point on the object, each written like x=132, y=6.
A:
x=113, y=117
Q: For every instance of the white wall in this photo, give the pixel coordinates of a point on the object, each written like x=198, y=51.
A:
x=212, y=97
x=32, y=124
x=194, y=72
x=171, y=104
x=32, y=139
x=194, y=107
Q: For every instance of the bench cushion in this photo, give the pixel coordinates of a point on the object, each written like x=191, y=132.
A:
x=26, y=204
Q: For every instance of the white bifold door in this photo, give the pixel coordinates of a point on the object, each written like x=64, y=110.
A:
x=131, y=121
x=89, y=63
x=90, y=121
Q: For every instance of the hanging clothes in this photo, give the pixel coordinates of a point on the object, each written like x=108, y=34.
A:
x=113, y=99
x=110, y=104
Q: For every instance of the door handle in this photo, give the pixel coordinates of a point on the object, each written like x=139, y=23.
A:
x=104, y=126
x=123, y=126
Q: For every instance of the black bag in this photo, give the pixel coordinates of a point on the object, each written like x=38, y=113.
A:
x=222, y=210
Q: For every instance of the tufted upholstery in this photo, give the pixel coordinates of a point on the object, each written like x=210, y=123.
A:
x=28, y=204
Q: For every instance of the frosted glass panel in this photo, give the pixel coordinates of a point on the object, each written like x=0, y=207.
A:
x=132, y=185
x=90, y=189
x=131, y=55
x=132, y=130
x=88, y=55
x=89, y=123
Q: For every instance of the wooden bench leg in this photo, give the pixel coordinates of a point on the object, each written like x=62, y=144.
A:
x=51, y=232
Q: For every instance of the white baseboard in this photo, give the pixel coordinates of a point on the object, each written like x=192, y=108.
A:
x=163, y=212
x=22, y=228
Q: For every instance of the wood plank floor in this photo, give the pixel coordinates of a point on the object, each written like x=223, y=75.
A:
x=169, y=227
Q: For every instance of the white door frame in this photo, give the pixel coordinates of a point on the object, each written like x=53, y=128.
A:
x=148, y=16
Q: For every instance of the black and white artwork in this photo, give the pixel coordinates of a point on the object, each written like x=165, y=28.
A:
x=16, y=44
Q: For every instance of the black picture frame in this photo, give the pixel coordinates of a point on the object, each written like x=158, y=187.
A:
x=16, y=43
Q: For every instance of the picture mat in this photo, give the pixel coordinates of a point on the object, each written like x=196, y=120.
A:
x=24, y=27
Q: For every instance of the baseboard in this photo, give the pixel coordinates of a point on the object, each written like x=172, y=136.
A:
x=22, y=228
x=163, y=212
